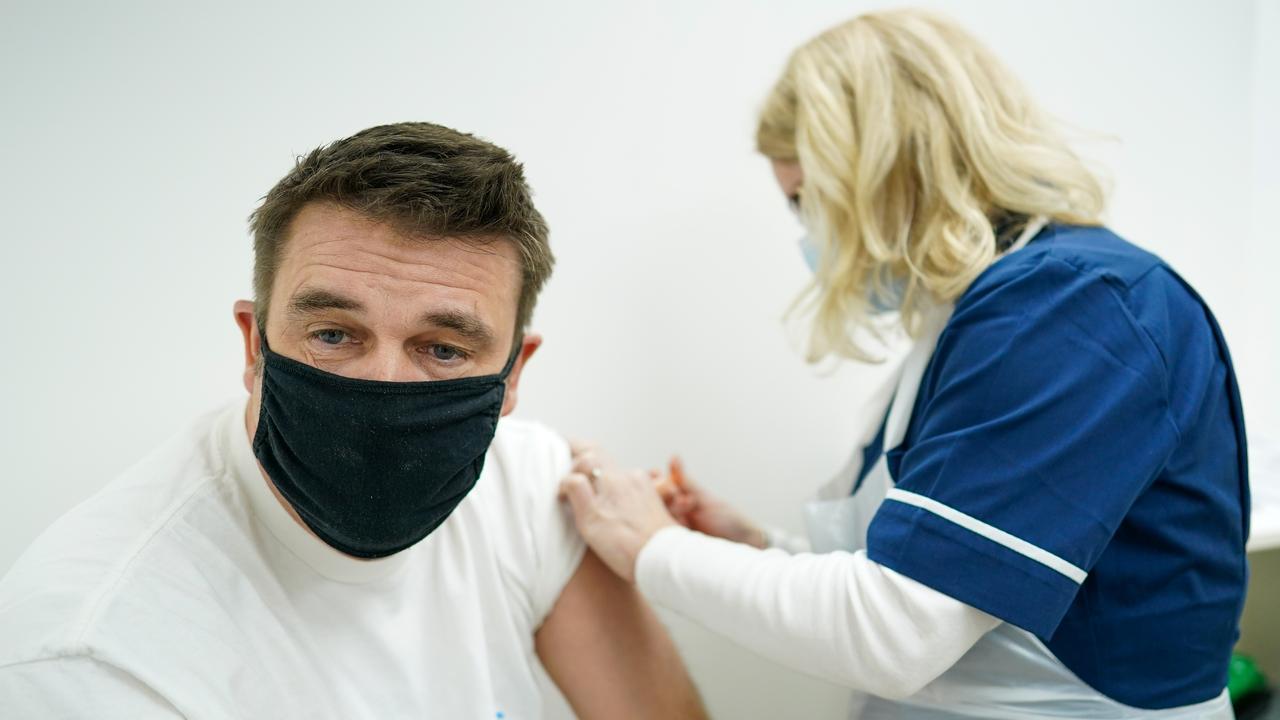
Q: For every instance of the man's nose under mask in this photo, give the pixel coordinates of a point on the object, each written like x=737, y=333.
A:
x=373, y=467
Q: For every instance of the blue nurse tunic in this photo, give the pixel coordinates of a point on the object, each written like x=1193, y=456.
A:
x=1075, y=466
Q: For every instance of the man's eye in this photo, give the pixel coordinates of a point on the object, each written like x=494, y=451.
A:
x=445, y=353
x=330, y=337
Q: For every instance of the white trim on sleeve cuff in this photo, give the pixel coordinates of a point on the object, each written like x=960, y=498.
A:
x=990, y=532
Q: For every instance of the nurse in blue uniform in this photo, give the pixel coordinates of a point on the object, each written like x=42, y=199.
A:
x=1051, y=518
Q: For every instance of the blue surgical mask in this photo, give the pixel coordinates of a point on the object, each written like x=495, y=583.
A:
x=887, y=301
x=812, y=256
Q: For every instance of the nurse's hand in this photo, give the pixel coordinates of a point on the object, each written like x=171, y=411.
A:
x=617, y=511
x=697, y=509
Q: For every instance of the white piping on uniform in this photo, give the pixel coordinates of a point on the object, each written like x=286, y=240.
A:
x=990, y=532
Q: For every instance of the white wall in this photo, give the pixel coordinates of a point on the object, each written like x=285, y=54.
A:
x=136, y=136
x=1259, y=302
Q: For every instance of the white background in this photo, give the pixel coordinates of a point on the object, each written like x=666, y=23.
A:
x=136, y=137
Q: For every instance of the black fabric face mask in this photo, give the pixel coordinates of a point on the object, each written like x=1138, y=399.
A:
x=373, y=467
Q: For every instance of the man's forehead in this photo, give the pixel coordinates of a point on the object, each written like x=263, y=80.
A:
x=326, y=229
x=339, y=251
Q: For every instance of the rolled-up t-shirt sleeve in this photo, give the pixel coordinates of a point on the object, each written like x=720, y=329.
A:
x=536, y=544
x=559, y=547
x=1041, y=418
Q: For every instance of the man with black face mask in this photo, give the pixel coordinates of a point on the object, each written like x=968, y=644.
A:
x=362, y=537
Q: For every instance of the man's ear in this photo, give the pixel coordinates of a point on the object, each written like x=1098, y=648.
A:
x=243, y=311
x=530, y=345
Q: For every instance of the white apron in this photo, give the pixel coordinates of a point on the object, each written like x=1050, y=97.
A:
x=1009, y=674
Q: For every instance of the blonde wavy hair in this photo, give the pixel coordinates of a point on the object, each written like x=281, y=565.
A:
x=916, y=145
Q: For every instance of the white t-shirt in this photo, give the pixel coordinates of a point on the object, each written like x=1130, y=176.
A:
x=185, y=589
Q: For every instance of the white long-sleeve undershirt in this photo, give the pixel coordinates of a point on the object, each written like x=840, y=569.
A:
x=838, y=616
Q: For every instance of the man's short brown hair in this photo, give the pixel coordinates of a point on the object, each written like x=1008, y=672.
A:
x=428, y=181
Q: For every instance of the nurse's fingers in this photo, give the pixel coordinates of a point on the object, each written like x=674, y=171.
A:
x=682, y=504
x=587, y=463
x=577, y=488
x=666, y=488
x=675, y=466
x=578, y=446
x=587, y=458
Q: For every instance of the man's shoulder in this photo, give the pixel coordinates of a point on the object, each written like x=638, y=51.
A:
x=112, y=548
x=529, y=456
x=530, y=435
x=518, y=491
x=518, y=501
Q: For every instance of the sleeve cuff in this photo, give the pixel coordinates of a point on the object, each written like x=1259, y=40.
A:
x=656, y=559
x=969, y=566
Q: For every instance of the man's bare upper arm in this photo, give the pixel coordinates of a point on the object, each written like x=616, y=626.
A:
x=610, y=655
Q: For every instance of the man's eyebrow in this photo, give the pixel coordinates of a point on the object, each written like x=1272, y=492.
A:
x=465, y=324
x=310, y=302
